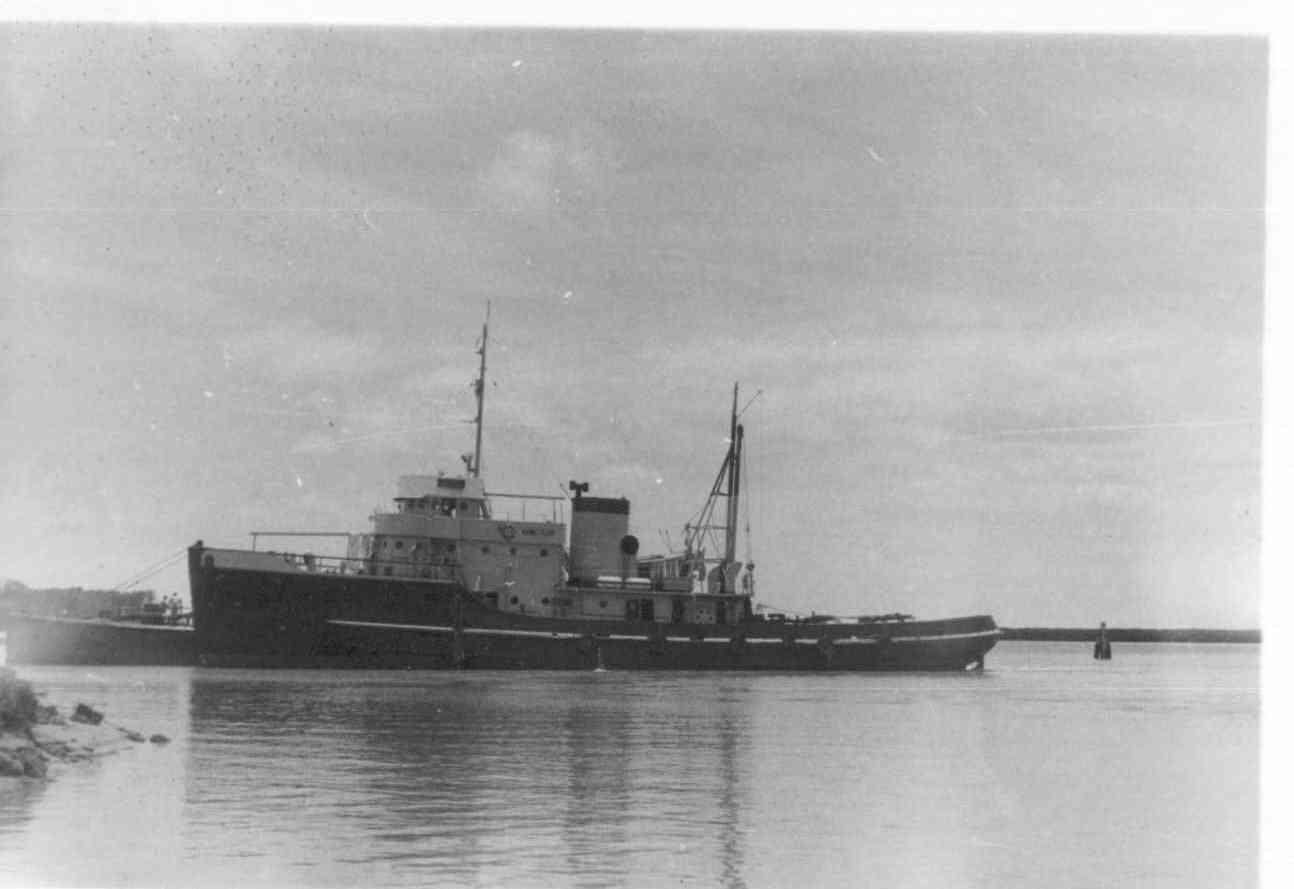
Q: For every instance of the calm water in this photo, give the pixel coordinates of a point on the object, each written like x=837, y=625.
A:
x=1050, y=769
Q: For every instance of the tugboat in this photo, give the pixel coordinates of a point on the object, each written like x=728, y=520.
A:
x=445, y=582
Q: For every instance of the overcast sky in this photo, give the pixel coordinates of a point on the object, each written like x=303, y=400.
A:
x=1002, y=296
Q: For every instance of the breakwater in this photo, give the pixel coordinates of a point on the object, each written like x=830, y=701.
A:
x=1129, y=634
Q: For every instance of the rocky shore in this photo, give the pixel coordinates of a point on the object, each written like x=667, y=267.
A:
x=34, y=735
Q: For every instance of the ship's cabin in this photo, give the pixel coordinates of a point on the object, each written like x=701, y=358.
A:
x=448, y=496
x=696, y=574
x=637, y=600
x=444, y=529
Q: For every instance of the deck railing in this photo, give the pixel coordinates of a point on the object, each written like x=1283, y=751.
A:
x=556, y=507
x=344, y=565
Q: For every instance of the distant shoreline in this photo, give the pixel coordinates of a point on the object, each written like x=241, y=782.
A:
x=1130, y=634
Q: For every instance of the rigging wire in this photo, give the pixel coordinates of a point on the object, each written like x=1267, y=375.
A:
x=751, y=488
x=151, y=570
x=741, y=413
x=753, y=492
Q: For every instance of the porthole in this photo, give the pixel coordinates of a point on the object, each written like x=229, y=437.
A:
x=512, y=550
x=399, y=544
x=485, y=549
x=451, y=547
x=544, y=600
x=543, y=552
x=602, y=604
x=514, y=600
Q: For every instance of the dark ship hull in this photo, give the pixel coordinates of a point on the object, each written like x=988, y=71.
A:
x=259, y=618
x=34, y=640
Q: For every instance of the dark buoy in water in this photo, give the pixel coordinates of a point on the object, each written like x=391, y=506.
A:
x=1101, y=651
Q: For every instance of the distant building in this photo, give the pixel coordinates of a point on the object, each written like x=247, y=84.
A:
x=76, y=602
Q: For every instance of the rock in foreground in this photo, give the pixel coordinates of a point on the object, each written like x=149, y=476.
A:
x=32, y=735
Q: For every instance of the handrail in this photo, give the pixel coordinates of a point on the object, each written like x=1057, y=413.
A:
x=557, y=517
x=353, y=565
x=553, y=497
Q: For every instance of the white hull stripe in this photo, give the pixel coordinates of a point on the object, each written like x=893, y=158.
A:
x=982, y=634
x=724, y=640
x=102, y=622
x=467, y=631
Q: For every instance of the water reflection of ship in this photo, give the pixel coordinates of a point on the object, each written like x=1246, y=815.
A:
x=732, y=857
x=19, y=810
x=595, y=780
x=320, y=762
x=655, y=783
x=594, y=740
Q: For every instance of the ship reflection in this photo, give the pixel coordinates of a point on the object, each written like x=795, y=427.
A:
x=729, y=799
x=18, y=805
x=654, y=781
x=468, y=778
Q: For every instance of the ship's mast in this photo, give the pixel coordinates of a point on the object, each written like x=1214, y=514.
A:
x=734, y=485
x=706, y=527
x=480, y=394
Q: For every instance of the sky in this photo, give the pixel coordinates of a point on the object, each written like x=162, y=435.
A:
x=1001, y=297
